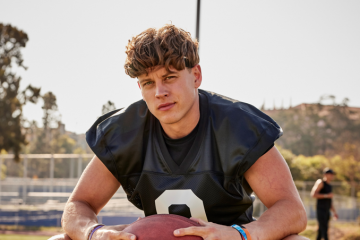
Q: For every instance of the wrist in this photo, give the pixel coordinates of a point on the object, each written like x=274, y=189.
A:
x=91, y=230
x=244, y=233
x=235, y=234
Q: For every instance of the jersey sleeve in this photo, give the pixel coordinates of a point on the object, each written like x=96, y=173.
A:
x=243, y=133
x=117, y=138
x=263, y=140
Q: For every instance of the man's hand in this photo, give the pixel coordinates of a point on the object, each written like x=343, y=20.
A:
x=209, y=231
x=112, y=233
x=104, y=233
x=329, y=195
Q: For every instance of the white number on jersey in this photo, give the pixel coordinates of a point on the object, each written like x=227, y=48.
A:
x=181, y=196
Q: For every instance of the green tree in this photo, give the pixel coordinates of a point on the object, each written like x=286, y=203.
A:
x=310, y=168
x=12, y=99
x=63, y=144
x=48, y=136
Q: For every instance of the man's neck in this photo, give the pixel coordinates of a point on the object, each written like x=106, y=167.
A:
x=184, y=127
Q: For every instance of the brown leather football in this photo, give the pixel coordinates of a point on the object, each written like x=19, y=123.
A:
x=161, y=227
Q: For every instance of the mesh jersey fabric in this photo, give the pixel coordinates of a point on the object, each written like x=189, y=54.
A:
x=233, y=137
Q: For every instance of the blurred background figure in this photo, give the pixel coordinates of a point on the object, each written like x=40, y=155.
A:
x=322, y=191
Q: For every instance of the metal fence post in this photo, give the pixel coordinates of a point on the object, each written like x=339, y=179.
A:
x=51, y=172
x=79, y=166
x=353, y=199
x=24, y=192
x=303, y=193
x=71, y=168
x=1, y=163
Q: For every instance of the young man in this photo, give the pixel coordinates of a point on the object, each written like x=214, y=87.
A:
x=322, y=191
x=180, y=142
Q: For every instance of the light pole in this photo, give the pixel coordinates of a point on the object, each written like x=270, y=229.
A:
x=198, y=21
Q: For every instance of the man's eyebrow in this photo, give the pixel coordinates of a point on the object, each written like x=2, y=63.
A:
x=168, y=73
x=144, y=80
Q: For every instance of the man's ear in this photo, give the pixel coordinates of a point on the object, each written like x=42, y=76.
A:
x=196, y=70
x=139, y=85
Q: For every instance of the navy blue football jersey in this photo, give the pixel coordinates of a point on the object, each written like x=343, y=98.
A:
x=209, y=183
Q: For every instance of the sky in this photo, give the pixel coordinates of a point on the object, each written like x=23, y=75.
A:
x=278, y=52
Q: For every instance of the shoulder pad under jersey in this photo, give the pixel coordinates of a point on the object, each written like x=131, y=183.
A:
x=119, y=135
x=241, y=130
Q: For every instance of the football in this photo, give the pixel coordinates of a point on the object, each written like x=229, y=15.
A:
x=161, y=227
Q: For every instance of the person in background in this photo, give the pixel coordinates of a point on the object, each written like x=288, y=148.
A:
x=322, y=191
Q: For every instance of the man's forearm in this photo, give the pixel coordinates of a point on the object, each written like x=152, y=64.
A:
x=321, y=195
x=281, y=220
x=333, y=209
x=78, y=217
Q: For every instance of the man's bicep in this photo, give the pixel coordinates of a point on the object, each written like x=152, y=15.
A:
x=270, y=178
x=96, y=185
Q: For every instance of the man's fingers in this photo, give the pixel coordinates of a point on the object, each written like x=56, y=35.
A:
x=113, y=234
x=124, y=236
x=118, y=227
x=196, y=231
x=200, y=221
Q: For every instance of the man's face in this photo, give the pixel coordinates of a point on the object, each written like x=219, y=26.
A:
x=329, y=176
x=171, y=96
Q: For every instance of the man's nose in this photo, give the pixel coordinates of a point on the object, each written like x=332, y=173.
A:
x=161, y=91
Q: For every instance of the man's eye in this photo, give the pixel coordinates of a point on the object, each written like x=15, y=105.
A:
x=169, y=77
x=147, y=83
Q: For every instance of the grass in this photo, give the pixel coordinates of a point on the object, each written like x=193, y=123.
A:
x=338, y=230
x=22, y=237
x=31, y=228
x=19, y=232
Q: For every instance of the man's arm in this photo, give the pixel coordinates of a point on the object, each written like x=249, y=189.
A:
x=271, y=180
x=94, y=189
x=315, y=192
x=334, y=211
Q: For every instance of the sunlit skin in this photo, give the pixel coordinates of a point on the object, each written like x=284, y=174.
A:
x=172, y=97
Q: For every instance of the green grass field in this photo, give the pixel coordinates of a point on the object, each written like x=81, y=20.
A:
x=22, y=237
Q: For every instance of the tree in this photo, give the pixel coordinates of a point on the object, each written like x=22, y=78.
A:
x=50, y=133
x=108, y=107
x=12, y=138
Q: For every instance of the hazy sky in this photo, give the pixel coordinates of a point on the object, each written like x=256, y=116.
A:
x=253, y=51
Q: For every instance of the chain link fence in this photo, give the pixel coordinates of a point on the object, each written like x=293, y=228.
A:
x=34, y=192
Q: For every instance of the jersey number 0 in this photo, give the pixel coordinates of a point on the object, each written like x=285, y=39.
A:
x=187, y=196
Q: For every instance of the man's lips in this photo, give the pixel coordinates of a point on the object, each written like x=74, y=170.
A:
x=165, y=106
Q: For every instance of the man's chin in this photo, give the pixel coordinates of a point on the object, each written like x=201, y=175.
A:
x=168, y=120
